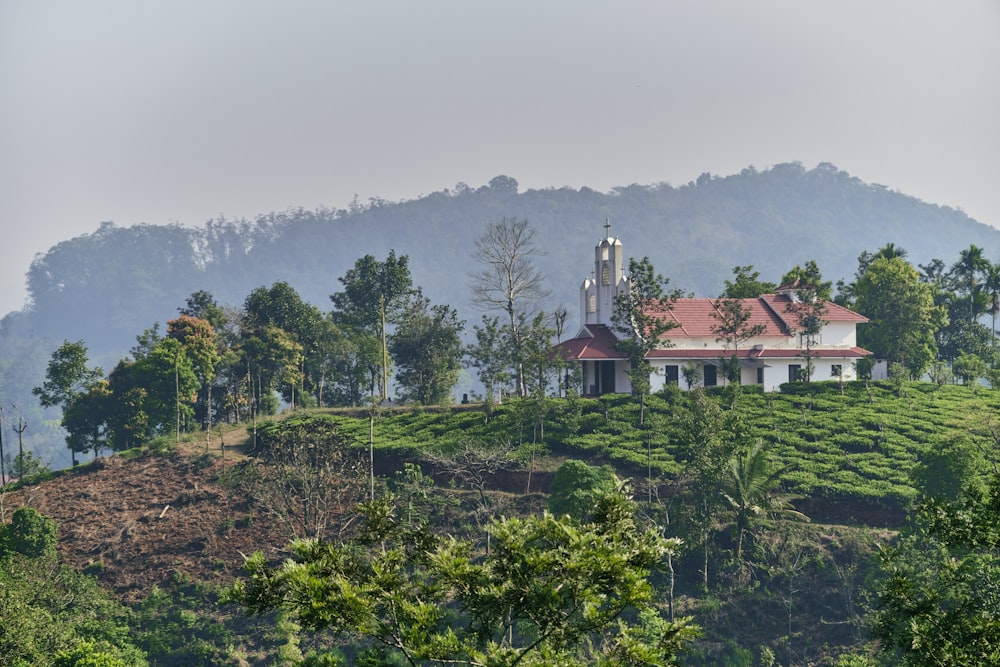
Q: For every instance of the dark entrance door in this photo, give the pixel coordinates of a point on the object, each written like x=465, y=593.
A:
x=711, y=378
x=607, y=377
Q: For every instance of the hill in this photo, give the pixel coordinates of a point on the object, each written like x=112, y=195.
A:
x=107, y=287
x=163, y=531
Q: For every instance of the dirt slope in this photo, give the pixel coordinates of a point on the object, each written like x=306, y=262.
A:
x=135, y=522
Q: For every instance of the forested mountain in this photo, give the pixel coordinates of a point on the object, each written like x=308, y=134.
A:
x=106, y=287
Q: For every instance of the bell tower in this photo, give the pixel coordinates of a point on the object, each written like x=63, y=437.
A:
x=598, y=292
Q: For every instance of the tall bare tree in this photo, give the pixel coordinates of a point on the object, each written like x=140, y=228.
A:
x=508, y=279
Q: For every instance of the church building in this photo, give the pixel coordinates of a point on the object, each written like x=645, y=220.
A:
x=694, y=350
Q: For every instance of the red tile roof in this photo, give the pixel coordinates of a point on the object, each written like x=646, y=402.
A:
x=694, y=318
x=599, y=344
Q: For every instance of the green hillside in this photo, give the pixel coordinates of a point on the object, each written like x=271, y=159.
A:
x=860, y=444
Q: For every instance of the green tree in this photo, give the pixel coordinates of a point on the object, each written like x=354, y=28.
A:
x=576, y=485
x=273, y=358
x=950, y=467
x=202, y=304
x=67, y=376
x=807, y=310
x=970, y=368
x=902, y=314
x=808, y=276
x=968, y=270
x=375, y=296
x=938, y=598
x=508, y=281
x=991, y=284
x=49, y=612
x=733, y=327
x=640, y=319
x=201, y=345
x=490, y=356
x=751, y=488
x=169, y=384
x=746, y=284
x=427, y=350
x=549, y=592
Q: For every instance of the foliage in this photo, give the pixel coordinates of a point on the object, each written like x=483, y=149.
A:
x=950, y=467
x=30, y=534
x=750, y=487
x=547, y=592
x=639, y=317
x=746, y=284
x=807, y=310
x=375, y=296
x=575, y=487
x=938, y=601
x=51, y=614
x=903, y=316
x=733, y=328
x=427, y=349
x=67, y=376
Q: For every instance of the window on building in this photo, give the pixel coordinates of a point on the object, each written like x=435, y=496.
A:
x=711, y=376
x=794, y=372
x=592, y=303
x=760, y=375
x=606, y=275
x=836, y=370
x=671, y=374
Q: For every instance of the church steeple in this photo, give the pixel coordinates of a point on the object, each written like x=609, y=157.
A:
x=597, y=294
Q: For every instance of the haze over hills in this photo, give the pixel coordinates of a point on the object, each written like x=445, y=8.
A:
x=108, y=286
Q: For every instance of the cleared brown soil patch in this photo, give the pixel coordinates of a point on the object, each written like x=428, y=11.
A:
x=136, y=522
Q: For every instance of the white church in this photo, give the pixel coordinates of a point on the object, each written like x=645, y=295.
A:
x=770, y=359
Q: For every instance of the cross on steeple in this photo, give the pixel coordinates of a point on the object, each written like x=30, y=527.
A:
x=607, y=228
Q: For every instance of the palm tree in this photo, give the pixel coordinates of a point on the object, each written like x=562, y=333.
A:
x=970, y=265
x=750, y=487
x=891, y=251
x=991, y=284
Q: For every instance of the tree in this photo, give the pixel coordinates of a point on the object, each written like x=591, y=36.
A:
x=200, y=343
x=733, y=327
x=202, y=304
x=51, y=614
x=67, y=376
x=490, y=355
x=991, y=283
x=809, y=276
x=807, y=310
x=508, y=280
x=746, y=284
x=376, y=294
x=427, y=350
x=902, y=314
x=281, y=307
x=273, y=358
x=304, y=472
x=750, y=488
x=969, y=367
x=576, y=485
x=169, y=386
x=640, y=317
x=969, y=268
x=550, y=592
x=938, y=598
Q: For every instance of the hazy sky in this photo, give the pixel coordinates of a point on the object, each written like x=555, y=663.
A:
x=178, y=111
